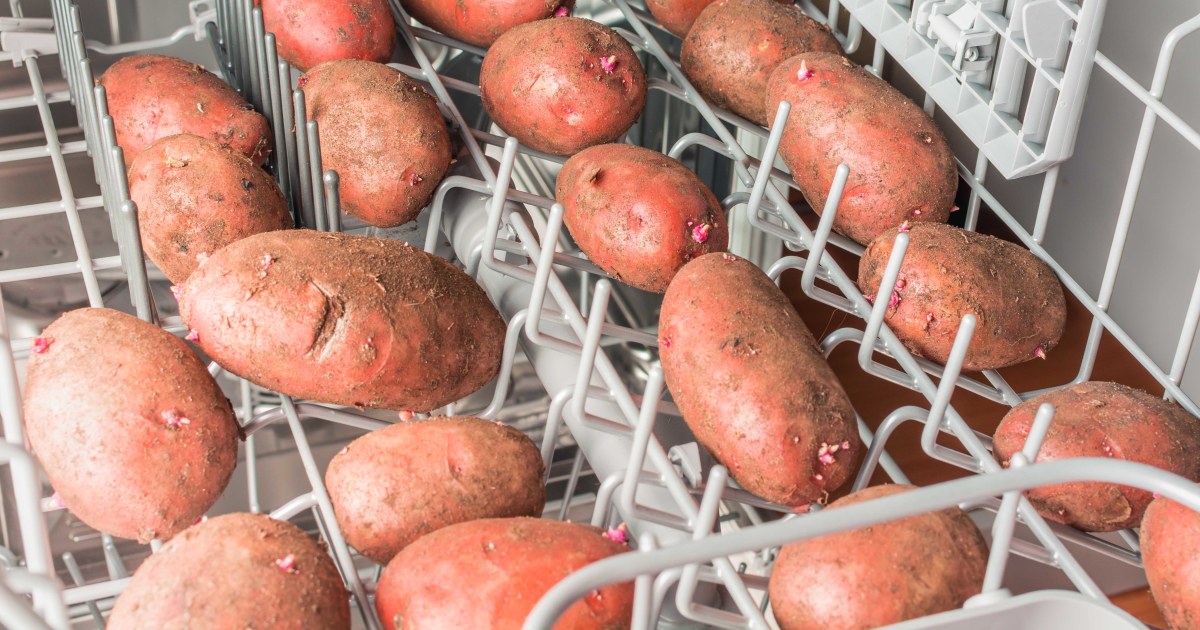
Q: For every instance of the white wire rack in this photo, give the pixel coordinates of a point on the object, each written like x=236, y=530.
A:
x=496, y=212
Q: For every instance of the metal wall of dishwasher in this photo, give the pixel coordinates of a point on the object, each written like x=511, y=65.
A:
x=580, y=372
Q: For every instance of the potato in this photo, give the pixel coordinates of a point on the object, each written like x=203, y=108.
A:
x=195, y=196
x=901, y=167
x=348, y=320
x=1096, y=419
x=677, y=16
x=154, y=96
x=947, y=273
x=562, y=85
x=235, y=571
x=480, y=22
x=310, y=32
x=638, y=214
x=395, y=485
x=734, y=45
x=879, y=575
x=1169, y=537
x=490, y=573
x=751, y=383
x=132, y=431
x=383, y=134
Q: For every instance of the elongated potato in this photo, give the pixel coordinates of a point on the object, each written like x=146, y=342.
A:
x=490, y=573
x=235, y=571
x=752, y=384
x=392, y=486
x=901, y=167
x=310, y=32
x=344, y=319
x=947, y=273
x=1170, y=538
x=383, y=134
x=1095, y=419
x=639, y=214
x=879, y=575
x=562, y=85
x=154, y=96
x=195, y=196
x=480, y=22
x=734, y=45
x=132, y=431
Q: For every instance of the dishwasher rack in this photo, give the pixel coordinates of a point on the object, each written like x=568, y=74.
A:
x=499, y=218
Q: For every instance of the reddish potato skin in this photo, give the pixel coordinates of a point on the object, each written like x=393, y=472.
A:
x=1169, y=537
x=383, y=134
x=751, y=383
x=203, y=579
x=1095, y=419
x=901, y=167
x=677, y=16
x=545, y=84
x=349, y=320
x=95, y=401
x=310, y=32
x=638, y=214
x=195, y=196
x=490, y=573
x=879, y=575
x=949, y=272
x=392, y=486
x=733, y=46
x=480, y=22
x=154, y=96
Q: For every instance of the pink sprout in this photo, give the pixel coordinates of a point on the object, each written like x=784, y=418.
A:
x=904, y=227
x=729, y=257
x=562, y=12
x=916, y=212
x=846, y=445
x=406, y=415
x=804, y=74
x=176, y=291
x=415, y=179
x=267, y=261
x=287, y=564
x=818, y=477
x=665, y=342
x=901, y=281
x=41, y=345
x=929, y=317
x=1157, y=495
x=203, y=519
x=55, y=502
x=174, y=419
x=619, y=534
x=193, y=336
x=802, y=509
x=826, y=459
x=302, y=81
x=954, y=209
x=894, y=300
x=870, y=298
x=609, y=63
x=1039, y=352
x=700, y=232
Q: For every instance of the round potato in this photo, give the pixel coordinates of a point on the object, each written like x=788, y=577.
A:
x=562, y=85
x=879, y=575
x=947, y=273
x=901, y=167
x=499, y=568
x=310, y=32
x=752, y=384
x=350, y=320
x=1095, y=419
x=480, y=22
x=235, y=571
x=383, y=134
x=392, y=486
x=1170, y=537
x=734, y=45
x=154, y=96
x=195, y=196
x=638, y=214
x=129, y=426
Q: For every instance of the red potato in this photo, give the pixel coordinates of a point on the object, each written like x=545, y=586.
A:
x=948, y=273
x=1095, y=419
x=677, y=16
x=734, y=45
x=132, y=431
x=562, y=85
x=310, y=32
x=879, y=575
x=490, y=573
x=1169, y=537
x=350, y=320
x=480, y=22
x=392, y=486
x=195, y=196
x=752, y=384
x=639, y=214
x=383, y=134
x=233, y=572
x=154, y=96
x=901, y=167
